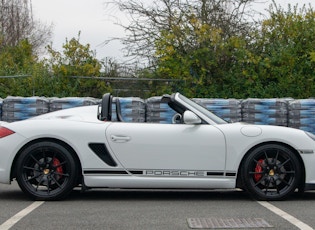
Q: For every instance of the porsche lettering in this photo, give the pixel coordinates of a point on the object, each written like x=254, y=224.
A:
x=184, y=173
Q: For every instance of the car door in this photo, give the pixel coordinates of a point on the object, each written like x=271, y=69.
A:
x=147, y=146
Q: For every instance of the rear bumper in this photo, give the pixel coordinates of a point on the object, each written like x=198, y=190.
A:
x=9, y=146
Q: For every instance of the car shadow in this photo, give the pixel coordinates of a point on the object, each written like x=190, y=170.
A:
x=308, y=195
x=172, y=195
x=14, y=195
x=148, y=194
x=13, y=192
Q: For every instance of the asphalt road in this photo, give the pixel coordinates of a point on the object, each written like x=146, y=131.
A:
x=149, y=209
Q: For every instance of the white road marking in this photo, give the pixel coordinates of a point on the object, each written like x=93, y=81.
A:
x=285, y=215
x=17, y=217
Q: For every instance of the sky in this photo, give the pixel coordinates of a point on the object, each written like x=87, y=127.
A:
x=89, y=17
x=94, y=19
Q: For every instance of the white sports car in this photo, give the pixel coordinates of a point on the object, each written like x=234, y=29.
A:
x=51, y=154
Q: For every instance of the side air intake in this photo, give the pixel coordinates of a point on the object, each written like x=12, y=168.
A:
x=102, y=152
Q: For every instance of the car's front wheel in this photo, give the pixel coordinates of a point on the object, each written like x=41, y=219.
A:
x=46, y=171
x=271, y=172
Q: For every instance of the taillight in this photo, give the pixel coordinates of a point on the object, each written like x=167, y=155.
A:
x=5, y=132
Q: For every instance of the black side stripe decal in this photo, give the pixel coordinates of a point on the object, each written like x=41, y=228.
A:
x=105, y=172
x=136, y=172
x=230, y=174
x=215, y=173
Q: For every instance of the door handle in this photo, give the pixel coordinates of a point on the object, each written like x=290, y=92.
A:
x=116, y=138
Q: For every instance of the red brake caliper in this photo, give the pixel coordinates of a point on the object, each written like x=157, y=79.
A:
x=59, y=169
x=258, y=170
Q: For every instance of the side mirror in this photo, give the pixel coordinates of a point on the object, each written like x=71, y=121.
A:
x=190, y=118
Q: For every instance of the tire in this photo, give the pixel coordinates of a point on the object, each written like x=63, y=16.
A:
x=46, y=171
x=271, y=172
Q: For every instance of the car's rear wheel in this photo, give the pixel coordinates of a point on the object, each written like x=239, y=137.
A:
x=271, y=172
x=46, y=171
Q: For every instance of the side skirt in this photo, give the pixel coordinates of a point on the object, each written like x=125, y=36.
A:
x=131, y=181
x=309, y=187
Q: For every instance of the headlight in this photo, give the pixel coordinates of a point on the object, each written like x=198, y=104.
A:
x=311, y=135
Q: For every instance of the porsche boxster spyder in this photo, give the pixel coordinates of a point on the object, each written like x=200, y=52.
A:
x=51, y=154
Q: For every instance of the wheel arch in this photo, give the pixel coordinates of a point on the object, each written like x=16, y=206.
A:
x=57, y=141
x=302, y=182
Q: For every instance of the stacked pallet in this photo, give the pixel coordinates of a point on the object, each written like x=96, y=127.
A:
x=302, y=114
x=20, y=108
x=70, y=102
x=298, y=114
x=158, y=111
x=132, y=109
x=265, y=111
x=227, y=109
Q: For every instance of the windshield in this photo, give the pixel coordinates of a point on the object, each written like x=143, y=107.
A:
x=202, y=109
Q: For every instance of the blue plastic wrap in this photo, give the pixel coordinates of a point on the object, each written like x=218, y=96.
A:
x=70, y=102
x=20, y=108
x=265, y=111
x=132, y=109
x=158, y=111
x=302, y=114
x=227, y=109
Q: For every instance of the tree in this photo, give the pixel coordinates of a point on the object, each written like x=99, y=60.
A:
x=213, y=50
x=21, y=40
x=148, y=21
x=286, y=66
x=17, y=23
x=16, y=60
x=195, y=42
x=76, y=60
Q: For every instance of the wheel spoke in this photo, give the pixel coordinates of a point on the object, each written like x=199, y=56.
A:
x=31, y=155
x=42, y=151
x=48, y=184
x=254, y=173
x=62, y=174
x=259, y=182
x=39, y=182
x=287, y=172
x=284, y=163
x=276, y=158
x=277, y=188
x=265, y=153
x=276, y=185
x=60, y=164
x=33, y=177
x=31, y=168
x=57, y=183
x=267, y=183
x=284, y=181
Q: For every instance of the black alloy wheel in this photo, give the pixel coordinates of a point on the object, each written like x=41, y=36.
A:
x=46, y=171
x=271, y=172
